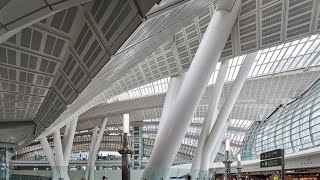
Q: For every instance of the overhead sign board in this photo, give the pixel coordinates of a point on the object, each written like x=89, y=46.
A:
x=278, y=153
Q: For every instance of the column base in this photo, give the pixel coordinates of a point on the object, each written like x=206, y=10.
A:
x=155, y=173
x=203, y=175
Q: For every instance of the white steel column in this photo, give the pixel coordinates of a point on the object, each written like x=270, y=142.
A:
x=210, y=118
x=93, y=140
x=192, y=90
x=216, y=148
x=50, y=156
x=59, y=155
x=203, y=173
x=225, y=111
x=60, y=161
x=69, y=141
x=65, y=135
x=96, y=149
x=173, y=89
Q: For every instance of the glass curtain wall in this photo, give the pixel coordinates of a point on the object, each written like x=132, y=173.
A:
x=5, y=157
x=292, y=127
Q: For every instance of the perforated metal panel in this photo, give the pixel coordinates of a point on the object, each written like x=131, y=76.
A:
x=248, y=31
x=271, y=25
x=4, y=3
x=299, y=16
x=111, y=18
x=228, y=49
x=47, y=65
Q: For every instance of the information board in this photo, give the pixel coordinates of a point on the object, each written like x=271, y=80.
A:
x=278, y=153
x=271, y=162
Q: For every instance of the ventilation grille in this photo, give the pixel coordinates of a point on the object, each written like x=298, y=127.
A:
x=31, y=38
x=271, y=24
x=38, y=40
x=171, y=62
x=193, y=37
x=265, y=3
x=51, y=108
x=88, y=48
x=64, y=89
x=112, y=17
x=317, y=21
x=75, y=73
x=146, y=71
x=179, y=38
x=182, y=51
x=248, y=6
x=24, y=77
x=184, y=57
x=62, y=21
x=27, y=61
x=248, y=26
x=203, y=21
x=228, y=49
x=20, y=102
x=299, y=18
x=248, y=32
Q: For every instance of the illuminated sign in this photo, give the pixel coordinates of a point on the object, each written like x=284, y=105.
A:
x=271, y=163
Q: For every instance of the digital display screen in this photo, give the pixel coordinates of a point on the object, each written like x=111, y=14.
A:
x=272, y=154
x=271, y=163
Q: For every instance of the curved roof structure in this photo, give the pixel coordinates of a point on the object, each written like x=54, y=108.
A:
x=60, y=60
x=51, y=50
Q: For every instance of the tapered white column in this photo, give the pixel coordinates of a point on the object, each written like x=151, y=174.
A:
x=65, y=135
x=225, y=111
x=69, y=141
x=93, y=140
x=210, y=118
x=96, y=149
x=50, y=157
x=59, y=155
x=191, y=91
x=217, y=148
x=173, y=89
x=203, y=173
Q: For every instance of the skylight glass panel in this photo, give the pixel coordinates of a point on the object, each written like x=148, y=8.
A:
x=161, y=85
x=235, y=136
x=115, y=98
x=240, y=123
x=285, y=57
x=197, y=119
x=194, y=130
x=156, y=87
x=134, y=93
x=190, y=141
x=215, y=74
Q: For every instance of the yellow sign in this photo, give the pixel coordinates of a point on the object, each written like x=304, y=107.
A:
x=275, y=177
